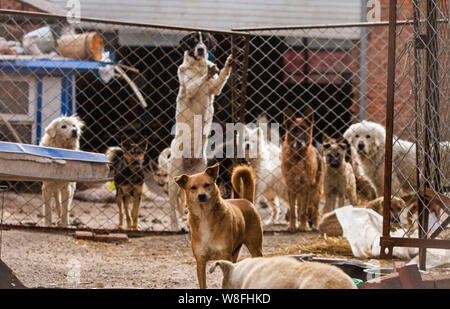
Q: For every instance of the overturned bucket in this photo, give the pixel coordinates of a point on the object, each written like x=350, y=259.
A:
x=86, y=46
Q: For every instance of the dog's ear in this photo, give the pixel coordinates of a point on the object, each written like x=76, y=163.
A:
x=289, y=118
x=326, y=146
x=308, y=115
x=183, y=45
x=348, y=153
x=226, y=266
x=325, y=137
x=143, y=145
x=125, y=142
x=51, y=130
x=343, y=146
x=78, y=122
x=153, y=166
x=209, y=41
x=213, y=171
x=181, y=180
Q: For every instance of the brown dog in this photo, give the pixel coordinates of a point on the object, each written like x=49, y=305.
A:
x=220, y=227
x=329, y=223
x=302, y=170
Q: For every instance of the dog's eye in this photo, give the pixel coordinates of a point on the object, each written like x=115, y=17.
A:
x=367, y=136
x=206, y=185
x=63, y=126
x=194, y=188
x=357, y=135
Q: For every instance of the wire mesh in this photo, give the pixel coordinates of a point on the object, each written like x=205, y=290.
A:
x=121, y=80
x=420, y=171
x=339, y=71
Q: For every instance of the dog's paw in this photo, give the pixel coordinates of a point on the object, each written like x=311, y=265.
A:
x=229, y=63
x=212, y=70
x=292, y=229
x=269, y=222
x=304, y=228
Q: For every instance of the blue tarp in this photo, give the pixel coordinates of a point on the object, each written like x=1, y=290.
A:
x=53, y=153
x=50, y=67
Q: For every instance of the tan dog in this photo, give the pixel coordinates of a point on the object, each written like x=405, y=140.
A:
x=302, y=170
x=160, y=176
x=339, y=181
x=220, y=227
x=63, y=132
x=281, y=272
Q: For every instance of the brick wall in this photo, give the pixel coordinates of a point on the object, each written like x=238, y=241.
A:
x=377, y=54
x=16, y=5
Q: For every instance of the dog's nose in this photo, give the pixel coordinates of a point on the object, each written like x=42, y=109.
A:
x=247, y=146
x=136, y=162
x=202, y=197
x=200, y=51
x=74, y=133
x=360, y=146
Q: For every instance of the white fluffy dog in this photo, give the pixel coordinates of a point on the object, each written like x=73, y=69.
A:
x=368, y=143
x=63, y=132
x=281, y=272
x=200, y=80
x=266, y=164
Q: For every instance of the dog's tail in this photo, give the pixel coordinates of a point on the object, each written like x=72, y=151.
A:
x=163, y=159
x=246, y=189
x=114, y=154
x=226, y=267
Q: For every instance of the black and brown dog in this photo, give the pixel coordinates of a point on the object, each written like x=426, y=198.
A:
x=127, y=163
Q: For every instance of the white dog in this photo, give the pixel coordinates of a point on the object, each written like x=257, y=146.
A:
x=281, y=272
x=200, y=80
x=266, y=164
x=368, y=142
x=63, y=132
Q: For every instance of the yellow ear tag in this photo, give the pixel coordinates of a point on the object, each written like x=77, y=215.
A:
x=111, y=186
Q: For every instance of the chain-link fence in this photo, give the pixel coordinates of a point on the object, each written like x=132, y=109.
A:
x=339, y=71
x=419, y=110
x=121, y=80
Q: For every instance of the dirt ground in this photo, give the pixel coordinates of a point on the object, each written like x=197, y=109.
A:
x=96, y=209
x=46, y=259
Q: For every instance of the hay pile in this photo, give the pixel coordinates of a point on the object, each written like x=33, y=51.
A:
x=324, y=246
x=328, y=246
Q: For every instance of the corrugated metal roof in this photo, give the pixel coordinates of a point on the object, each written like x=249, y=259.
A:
x=45, y=6
x=223, y=14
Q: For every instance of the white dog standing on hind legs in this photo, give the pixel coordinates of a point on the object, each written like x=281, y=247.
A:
x=63, y=132
x=200, y=80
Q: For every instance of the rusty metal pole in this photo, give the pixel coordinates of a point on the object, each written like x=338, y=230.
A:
x=386, y=247
x=244, y=79
x=432, y=119
x=419, y=125
x=233, y=79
